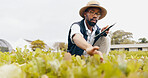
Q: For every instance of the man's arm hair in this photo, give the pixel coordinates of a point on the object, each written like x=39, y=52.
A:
x=83, y=44
x=80, y=41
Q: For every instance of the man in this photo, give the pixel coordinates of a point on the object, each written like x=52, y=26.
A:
x=81, y=38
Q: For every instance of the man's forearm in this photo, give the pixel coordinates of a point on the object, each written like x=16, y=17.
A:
x=81, y=42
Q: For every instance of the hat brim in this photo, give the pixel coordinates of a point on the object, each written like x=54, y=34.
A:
x=103, y=11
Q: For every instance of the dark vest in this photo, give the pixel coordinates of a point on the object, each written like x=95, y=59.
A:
x=72, y=48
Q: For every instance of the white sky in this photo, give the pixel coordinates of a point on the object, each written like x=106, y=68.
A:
x=49, y=20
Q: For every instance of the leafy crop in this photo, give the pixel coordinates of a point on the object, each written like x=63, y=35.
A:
x=41, y=64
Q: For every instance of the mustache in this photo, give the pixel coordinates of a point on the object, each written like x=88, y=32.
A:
x=94, y=19
x=91, y=23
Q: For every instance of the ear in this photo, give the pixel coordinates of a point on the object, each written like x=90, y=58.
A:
x=84, y=14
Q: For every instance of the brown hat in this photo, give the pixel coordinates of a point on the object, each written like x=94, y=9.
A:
x=93, y=4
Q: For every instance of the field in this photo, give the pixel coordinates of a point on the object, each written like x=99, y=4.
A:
x=41, y=64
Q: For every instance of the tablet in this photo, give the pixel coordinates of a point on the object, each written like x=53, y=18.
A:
x=104, y=31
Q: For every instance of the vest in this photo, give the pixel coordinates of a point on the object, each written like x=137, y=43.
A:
x=73, y=48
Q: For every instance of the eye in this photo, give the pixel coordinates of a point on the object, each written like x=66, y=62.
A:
x=98, y=13
x=91, y=12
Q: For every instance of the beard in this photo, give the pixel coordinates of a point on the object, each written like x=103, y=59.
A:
x=91, y=23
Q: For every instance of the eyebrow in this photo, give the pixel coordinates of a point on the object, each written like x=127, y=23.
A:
x=94, y=10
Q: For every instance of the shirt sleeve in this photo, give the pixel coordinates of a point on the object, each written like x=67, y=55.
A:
x=75, y=29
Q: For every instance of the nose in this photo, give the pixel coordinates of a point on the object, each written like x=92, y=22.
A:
x=95, y=15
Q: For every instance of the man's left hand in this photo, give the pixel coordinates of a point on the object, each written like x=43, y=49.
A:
x=105, y=28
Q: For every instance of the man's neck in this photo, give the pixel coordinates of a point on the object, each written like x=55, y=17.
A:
x=89, y=27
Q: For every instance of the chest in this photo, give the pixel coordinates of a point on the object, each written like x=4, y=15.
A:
x=90, y=36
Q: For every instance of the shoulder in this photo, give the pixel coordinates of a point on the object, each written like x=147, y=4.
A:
x=75, y=27
x=75, y=24
x=79, y=23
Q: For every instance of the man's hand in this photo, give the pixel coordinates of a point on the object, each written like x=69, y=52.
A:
x=94, y=50
x=105, y=28
x=82, y=43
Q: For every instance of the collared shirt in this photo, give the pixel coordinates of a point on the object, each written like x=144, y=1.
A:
x=76, y=30
x=91, y=35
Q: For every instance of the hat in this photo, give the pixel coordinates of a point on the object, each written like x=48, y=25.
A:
x=93, y=4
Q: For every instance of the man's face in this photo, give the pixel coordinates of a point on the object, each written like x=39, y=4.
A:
x=92, y=15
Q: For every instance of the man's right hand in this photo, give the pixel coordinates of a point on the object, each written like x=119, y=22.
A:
x=94, y=50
